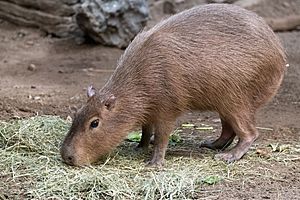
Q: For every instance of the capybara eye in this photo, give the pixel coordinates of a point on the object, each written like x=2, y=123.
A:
x=95, y=123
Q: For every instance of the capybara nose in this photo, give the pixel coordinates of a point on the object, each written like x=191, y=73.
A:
x=69, y=160
x=67, y=157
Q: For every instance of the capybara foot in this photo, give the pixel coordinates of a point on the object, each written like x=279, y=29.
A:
x=227, y=157
x=208, y=144
x=216, y=144
x=158, y=164
x=141, y=148
x=144, y=144
x=226, y=138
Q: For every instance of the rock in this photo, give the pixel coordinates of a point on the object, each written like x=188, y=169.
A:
x=21, y=33
x=263, y=153
x=30, y=43
x=169, y=8
x=113, y=23
x=286, y=4
x=31, y=67
x=216, y=120
x=36, y=98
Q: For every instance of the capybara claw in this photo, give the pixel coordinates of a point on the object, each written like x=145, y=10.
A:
x=227, y=157
x=155, y=164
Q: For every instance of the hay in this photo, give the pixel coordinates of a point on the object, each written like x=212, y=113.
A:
x=31, y=168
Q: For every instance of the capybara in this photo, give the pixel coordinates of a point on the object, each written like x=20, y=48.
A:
x=216, y=57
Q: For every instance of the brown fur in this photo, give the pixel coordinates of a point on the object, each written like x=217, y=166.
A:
x=216, y=57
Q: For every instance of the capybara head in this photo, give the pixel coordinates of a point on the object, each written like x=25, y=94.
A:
x=90, y=135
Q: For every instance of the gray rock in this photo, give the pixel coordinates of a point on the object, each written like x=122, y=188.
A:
x=112, y=22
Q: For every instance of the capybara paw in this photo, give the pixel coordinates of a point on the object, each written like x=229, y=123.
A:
x=155, y=164
x=227, y=157
x=140, y=148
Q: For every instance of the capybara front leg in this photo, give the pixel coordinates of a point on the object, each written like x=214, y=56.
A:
x=146, y=136
x=247, y=134
x=226, y=138
x=161, y=139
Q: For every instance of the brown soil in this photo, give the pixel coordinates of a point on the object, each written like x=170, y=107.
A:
x=44, y=75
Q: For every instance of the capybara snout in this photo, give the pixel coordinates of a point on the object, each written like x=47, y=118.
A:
x=81, y=145
x=216, y=57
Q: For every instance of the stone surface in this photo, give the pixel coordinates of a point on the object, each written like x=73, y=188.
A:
x=113, y=23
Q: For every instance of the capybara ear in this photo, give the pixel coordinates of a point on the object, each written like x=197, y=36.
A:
x=110, y=102
x=91, y=91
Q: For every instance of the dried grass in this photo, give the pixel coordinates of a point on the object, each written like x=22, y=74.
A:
x=31, y=168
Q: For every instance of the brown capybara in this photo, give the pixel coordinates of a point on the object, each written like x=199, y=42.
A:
x=216, y=57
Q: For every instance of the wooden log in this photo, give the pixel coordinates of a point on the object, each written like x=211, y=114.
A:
x=248, y=3
x=62, y=26
x=284, y=24
x=33, y=15
x=55, y=7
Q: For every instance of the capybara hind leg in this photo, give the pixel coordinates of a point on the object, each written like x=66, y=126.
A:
x=247, y=134
x=146, y=135
x=226, y=138
x=161, y=139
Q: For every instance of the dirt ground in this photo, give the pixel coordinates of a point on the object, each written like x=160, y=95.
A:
x=45, y=75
